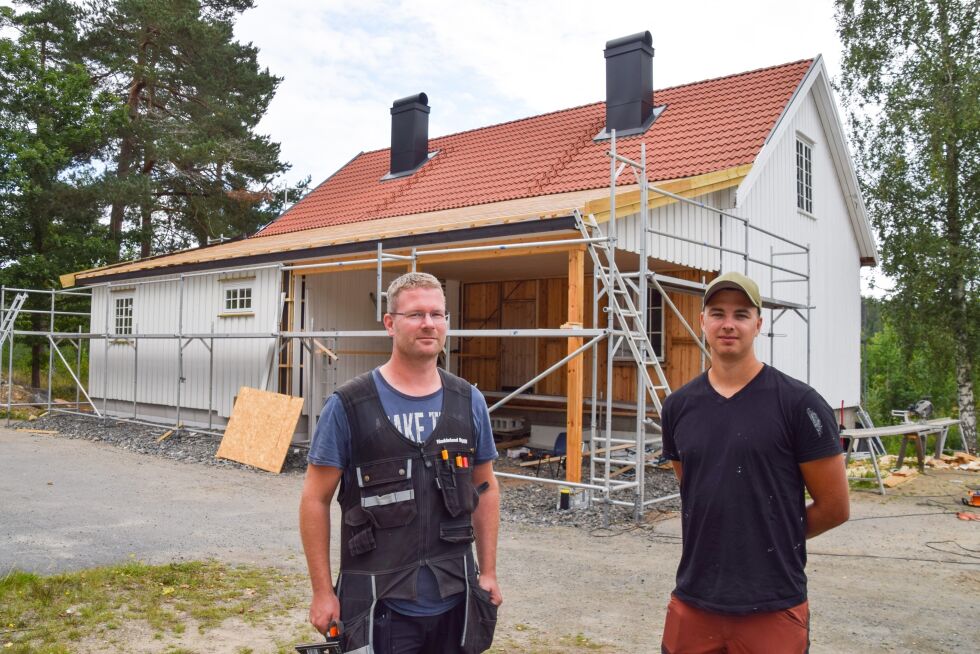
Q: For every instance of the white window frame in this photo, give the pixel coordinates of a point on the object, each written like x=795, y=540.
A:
x=656, y=328
x=122, y=314
x=804, y=174
x=237, y=298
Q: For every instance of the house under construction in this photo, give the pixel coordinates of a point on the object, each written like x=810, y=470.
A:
x=574, y=248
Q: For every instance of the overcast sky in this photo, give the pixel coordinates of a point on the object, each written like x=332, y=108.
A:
x=485, y=62
x=344, y=62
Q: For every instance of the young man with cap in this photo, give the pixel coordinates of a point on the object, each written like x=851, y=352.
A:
x=411, y=448
x=745, y=441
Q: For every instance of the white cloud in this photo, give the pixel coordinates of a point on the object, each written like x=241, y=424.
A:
x=482, y=62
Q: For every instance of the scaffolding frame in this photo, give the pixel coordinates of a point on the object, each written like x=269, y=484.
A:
x=603, y=485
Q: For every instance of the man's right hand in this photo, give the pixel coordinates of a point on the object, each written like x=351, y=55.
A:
x=324, y=609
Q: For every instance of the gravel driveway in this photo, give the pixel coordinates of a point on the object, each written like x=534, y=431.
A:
x=903, y=575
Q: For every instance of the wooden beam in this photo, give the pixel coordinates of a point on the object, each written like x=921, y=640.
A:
x=628, y=202
x=371, y=264
x=576, y=315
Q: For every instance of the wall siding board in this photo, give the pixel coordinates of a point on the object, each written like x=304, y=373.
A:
x=342, y=301
x=156, y=311
x=835, y=355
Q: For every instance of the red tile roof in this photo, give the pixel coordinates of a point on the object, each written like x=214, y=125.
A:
x=708, y=126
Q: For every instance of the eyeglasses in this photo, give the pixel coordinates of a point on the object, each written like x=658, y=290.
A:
x=437, y=317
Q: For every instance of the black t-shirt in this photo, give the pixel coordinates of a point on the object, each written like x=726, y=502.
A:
x=743, y=510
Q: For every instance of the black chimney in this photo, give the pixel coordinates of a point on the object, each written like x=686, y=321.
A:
x=629, y=84
x=409, y=134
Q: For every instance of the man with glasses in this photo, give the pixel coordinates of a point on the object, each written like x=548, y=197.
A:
x=411, y=448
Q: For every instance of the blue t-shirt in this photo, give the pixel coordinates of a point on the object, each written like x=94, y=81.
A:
x=415, y=418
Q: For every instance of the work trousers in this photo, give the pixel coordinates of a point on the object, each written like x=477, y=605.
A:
x=689, y=630
x=395, y=633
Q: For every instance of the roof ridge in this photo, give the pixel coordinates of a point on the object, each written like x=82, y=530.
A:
x=731, y=75
x=591, y=104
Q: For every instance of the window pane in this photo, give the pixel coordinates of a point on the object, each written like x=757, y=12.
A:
x=238, y=299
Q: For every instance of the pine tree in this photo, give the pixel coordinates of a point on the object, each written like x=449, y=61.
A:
x=188, y=165
x=52, y=125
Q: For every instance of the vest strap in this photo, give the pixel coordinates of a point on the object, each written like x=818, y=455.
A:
x=390, y=498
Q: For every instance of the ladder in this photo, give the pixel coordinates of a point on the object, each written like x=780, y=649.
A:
x=10, y=317
x=625, y=320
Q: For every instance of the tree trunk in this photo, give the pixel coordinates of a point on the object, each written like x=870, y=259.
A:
x=146, y=232
x=127, y=155
x=964, y=393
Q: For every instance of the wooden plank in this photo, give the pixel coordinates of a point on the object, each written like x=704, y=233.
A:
x=628, y=201
x=480, y=364
x=260, y=429
x=517, y=355
x=36, y=431
x=573, y=420
x=514, y=442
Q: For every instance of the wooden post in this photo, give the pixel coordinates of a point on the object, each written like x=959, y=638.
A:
x=576, y=314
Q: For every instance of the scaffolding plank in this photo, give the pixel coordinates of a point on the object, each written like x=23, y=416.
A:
x=260, y=429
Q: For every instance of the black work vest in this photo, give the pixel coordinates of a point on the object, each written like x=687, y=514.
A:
x=409, y=504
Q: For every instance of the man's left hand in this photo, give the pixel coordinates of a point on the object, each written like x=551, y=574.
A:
x=489, y=584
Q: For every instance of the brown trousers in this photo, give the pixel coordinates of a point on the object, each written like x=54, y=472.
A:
x=689, y=630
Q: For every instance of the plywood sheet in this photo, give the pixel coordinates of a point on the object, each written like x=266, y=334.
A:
x=260, y=429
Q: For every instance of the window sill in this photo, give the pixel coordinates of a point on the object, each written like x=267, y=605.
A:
x=805, y=213
x=237, y=314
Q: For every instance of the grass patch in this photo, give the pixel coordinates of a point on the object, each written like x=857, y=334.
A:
x=44, y=615
x=528, y=639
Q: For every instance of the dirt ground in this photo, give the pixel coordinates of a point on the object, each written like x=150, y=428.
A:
x=902, y=576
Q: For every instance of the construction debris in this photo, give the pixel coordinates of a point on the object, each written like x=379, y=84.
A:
x=900, y=476
x=260, y=429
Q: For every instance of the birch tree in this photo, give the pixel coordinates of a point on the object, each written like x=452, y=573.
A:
x=911, y=82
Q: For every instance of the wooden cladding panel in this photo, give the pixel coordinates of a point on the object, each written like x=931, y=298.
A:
x=517, y=355
x=552, y=314
x=683, y=354
x=496, y=362
x=480, y=358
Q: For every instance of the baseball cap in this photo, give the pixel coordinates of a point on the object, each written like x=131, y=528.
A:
x=737, y=282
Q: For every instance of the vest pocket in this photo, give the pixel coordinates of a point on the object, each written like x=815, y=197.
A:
x=362, y=531
x=387, y=494
x=357, y=634
x=460, y=531
x=458, y=493
x=481, y=621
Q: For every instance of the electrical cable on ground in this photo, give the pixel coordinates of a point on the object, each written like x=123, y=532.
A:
x=915, y=559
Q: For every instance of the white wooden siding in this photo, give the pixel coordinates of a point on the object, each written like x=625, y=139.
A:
x=685, y=220
x=341, y=301
x=835, y=329
x=157, y=310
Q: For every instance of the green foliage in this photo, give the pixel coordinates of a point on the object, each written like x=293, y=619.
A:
x=53, y=125
x=911, y=81
x=187, y=163
x=142, y=113
x=895, y=380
